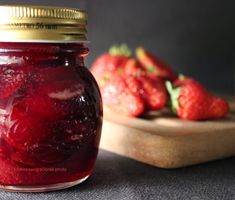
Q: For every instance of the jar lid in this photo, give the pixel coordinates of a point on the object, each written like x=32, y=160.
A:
x=42, y=24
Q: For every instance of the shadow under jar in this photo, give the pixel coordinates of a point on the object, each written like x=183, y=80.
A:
x=50, y=105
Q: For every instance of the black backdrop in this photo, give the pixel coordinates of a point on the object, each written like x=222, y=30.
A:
x=196, y=37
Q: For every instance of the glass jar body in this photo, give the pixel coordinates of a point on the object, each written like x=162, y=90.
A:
x=50, y=116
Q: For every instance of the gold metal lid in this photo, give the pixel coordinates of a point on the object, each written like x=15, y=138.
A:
x=42, y=24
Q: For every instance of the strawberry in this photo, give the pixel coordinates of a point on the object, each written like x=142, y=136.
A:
x=151, y=89
x=110, y=62
x=154, y=92
x=132, y=94
x=184, y=80
x=121, y=94
x=192, y=101
x=155, y=65
x=133, y=67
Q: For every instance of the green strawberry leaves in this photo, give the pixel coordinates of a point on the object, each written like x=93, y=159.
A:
x=181, y=77
x=174, y=95
x=152, y=69
x=120, y=50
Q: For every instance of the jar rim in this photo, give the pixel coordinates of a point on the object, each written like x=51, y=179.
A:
x=42, y=24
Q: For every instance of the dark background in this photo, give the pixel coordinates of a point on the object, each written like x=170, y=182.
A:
x=196, y=37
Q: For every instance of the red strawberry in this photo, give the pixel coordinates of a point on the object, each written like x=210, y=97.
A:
x=108, y=63
x=154, y=92
x=11, y=78
x=133, y=67
x=121, y=94
x=151, y=89
x=191, y=101
x=184, y=80
x=155, y=65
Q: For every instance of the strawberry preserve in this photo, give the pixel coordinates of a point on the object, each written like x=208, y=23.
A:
x=50, y=105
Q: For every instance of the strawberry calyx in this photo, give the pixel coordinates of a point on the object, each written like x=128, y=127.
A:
x=174, y=95
x=152, y=69
x=120, y=50
x=181, y=77
x=141, y=54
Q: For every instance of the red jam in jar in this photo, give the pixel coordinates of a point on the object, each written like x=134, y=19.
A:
x=50, y=105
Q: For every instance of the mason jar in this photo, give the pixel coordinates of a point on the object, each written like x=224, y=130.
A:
x=50, y=104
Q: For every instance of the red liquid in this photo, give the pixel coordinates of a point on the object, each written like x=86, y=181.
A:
x=50, y=114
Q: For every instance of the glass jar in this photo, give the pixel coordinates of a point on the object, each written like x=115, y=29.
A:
x=50, y=104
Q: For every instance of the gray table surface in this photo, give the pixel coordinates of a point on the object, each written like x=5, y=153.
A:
x=116, y=177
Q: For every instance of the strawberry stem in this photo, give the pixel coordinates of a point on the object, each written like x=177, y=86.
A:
x=174, y=95
x=120, y=50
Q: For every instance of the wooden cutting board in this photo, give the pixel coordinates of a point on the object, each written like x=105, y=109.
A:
x=162, y=140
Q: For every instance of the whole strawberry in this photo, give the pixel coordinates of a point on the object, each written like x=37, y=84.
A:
x=153, y=92
x=120, y=93
x=191, y=101
x=154, y=65
x=108, y=63
x=151, y=88
x=133, y=94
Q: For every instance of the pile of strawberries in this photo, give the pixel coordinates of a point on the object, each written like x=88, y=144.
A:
x=131, y=86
